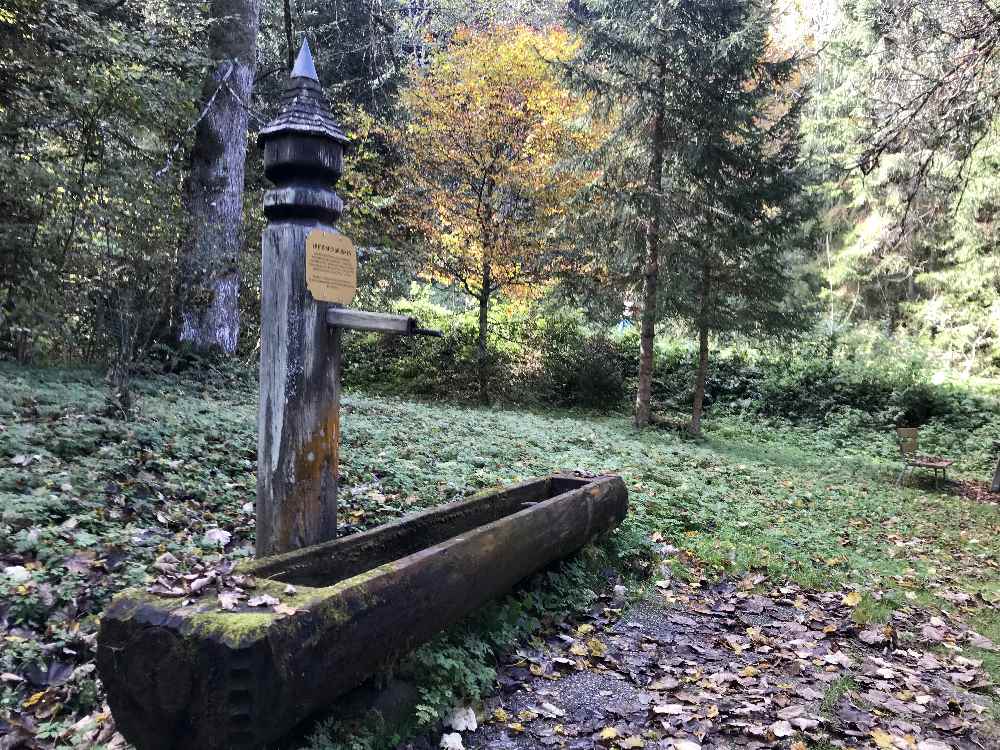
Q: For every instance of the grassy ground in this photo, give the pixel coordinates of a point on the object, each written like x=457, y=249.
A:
x=88, y=502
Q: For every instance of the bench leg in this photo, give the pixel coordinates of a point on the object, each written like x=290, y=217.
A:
x=899, y=479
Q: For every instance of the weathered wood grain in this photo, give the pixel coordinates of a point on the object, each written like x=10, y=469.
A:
x=298, y=418
x=360, y=320
x=181, y=677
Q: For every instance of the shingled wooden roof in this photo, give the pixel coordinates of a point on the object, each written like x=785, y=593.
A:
x=304, y=107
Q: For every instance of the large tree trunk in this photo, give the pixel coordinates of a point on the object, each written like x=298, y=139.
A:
x=482, y=354
x=651, y=268
x=209, y=304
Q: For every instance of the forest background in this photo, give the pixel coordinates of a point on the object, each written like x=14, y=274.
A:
x=861, y=274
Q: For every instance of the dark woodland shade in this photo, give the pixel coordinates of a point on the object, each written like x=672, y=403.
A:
x=303, y=151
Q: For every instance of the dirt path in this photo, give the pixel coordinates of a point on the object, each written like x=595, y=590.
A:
x=742, y=665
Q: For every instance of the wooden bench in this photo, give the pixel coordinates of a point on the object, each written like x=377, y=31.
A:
x=908, y=444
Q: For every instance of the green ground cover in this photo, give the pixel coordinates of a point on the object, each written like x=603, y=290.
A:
x=88, y=502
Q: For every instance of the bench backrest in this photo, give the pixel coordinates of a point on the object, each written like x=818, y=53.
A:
x=907, y=438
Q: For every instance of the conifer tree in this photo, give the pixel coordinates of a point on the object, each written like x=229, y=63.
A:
x=731, y=270
x=692, y=105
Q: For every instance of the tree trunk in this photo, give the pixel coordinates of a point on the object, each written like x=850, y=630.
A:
x=995, y=485
x=289, y=45
x=209, y=304
x=650, y=272
x=699, y=382
x=482, y=355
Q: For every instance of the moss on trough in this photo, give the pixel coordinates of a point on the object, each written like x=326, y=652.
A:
x=237, y=629
x=234, y=628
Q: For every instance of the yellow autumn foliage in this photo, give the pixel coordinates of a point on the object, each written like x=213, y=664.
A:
x=491, y=127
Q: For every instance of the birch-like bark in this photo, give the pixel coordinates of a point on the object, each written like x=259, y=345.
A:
x=210, y=283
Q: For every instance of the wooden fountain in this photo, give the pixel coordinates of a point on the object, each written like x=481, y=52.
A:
x=186, y=673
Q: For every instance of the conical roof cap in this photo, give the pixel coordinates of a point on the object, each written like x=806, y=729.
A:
x=304, y=66
x=304, y=108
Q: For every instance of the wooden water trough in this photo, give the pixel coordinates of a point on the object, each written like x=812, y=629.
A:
x=194, y=676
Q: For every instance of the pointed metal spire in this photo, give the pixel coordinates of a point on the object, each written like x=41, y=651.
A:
x=304, y=67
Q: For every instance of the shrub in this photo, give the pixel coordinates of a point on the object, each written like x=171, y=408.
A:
x=581, y=368
x=552, y=357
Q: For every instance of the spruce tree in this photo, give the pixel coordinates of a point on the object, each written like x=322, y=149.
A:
x=697, y=159
x=731, y=270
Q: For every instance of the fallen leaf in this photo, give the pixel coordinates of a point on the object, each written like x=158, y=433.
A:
x=552, y=711
x=664, y=683
x=596, y=648
x=228, y=599
x=34, y=698
x=199, y=583
x=670, y=709
x=790, y=712
x=881, y=738
x=781, y=729
x=219, y=537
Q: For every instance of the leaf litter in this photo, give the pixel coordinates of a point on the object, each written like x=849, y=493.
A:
x=745, y=663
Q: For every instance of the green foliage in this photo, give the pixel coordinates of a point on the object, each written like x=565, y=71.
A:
x=90, y=100
x=908, y=241
x=552, y=358
x=582, y=367
x=814, y=501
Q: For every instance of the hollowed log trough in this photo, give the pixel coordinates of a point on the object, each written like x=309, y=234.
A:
x=195, y=676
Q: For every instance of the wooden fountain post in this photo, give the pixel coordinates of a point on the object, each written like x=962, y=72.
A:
x=298, y=418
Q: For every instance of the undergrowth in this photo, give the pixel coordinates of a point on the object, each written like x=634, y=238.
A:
x=87, y=502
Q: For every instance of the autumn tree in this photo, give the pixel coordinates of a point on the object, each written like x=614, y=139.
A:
x=490, y=124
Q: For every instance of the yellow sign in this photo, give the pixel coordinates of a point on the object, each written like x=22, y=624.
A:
x=331, y=267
